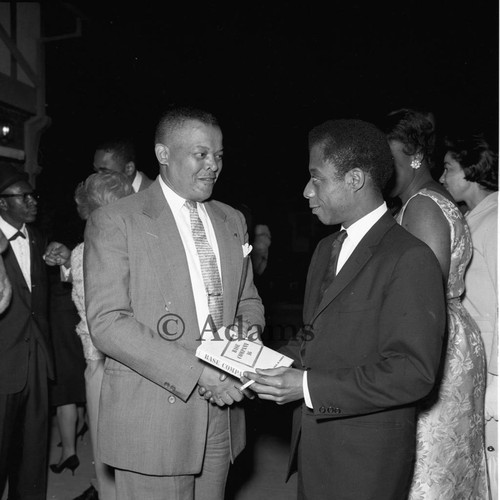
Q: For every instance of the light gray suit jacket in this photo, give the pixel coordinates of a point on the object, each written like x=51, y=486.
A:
x=141, y=314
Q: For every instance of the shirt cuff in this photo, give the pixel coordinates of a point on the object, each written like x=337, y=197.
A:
x=65, y=273
x=307, y=396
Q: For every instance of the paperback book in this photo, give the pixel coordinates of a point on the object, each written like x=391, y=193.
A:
x=236, y=356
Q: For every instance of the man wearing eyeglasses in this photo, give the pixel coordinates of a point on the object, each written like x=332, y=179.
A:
x=25, y=359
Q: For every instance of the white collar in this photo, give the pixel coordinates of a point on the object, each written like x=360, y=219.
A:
x=9, y=230
x=358, y=229
x=137, y=181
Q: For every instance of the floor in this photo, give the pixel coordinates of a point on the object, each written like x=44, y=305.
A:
x=258, y=473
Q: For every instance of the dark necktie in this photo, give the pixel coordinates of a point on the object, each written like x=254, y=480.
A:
x=16, y=235
x=208, y=262
x=332, y=265
x=327, y=281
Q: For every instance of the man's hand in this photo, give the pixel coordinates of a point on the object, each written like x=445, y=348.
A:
x=219, y=388
x=56, y=254
x=282, y=385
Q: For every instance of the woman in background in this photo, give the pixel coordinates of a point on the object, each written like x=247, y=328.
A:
x=98, y=190
x=471, y=176
x=450, y=458
x=67, y=392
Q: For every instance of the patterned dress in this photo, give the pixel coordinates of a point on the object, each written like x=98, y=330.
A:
x=451, y=461
x=82, y=329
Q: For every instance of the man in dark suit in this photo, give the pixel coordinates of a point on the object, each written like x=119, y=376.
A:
x=119, y=155
x=25, y=349
x=373, y=332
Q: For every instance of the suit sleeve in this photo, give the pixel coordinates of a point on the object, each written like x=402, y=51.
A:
x=113, y=327
x=409, y=338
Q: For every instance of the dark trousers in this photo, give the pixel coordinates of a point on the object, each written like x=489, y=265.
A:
x=24, y=432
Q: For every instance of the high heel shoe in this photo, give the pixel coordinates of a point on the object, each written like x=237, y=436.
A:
x=70, y=463
x=79, y=434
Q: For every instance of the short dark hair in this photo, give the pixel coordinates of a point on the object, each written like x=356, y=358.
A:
x=355, y=143
x=415, y=129
x=478, y=161
x=123, y=149
x=175, y=117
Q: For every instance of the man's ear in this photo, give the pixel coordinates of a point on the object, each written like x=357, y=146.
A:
x=130, y=169
x=3, y=204
x=162, y=153
x=356, y=179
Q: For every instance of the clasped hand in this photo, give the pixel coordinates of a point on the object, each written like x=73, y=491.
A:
x=56, y=254
x=220, y=388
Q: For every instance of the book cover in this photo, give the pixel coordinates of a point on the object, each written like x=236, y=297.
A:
x=236, y=356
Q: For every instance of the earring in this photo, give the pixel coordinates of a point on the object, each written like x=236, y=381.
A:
x=415, y=163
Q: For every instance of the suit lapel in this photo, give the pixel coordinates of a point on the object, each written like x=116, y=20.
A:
x=168, y=256
x=16, y=275
x=166, y=249
x=356, y=262
x=35, y=264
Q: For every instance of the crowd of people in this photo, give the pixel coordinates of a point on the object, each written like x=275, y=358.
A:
x=395, y=374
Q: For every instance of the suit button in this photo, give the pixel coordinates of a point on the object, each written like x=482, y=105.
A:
x=490, y=448
x=322, y=409
x=26, y=339
x=171, y=399
x=330, y=409
x=337, y=410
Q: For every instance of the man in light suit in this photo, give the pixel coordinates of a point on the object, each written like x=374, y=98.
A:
x=119, y=155
x=371, y=341
x=25, y=348
x=148, y=309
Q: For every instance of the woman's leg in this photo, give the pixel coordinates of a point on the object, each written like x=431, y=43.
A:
x=67, y=417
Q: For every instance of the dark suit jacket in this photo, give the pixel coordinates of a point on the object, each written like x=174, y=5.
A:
x=25, y=318
x=372, y=350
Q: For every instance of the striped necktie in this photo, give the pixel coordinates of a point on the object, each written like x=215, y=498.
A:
x=209, y=269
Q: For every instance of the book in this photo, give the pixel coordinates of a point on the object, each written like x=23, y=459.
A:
x=237, y=355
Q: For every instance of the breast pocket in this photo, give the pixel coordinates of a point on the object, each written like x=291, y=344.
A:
x=359, y=321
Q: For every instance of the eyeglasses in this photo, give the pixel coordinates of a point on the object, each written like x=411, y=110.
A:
x=25, y=196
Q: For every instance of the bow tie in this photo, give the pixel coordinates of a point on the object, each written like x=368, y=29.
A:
x=17, y=235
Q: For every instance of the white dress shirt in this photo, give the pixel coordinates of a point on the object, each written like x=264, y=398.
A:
x=136, y=184
x=355, y=233
x=183, y=221
x=21, y=248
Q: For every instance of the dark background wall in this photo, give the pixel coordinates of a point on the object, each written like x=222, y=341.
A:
x=270, y=71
